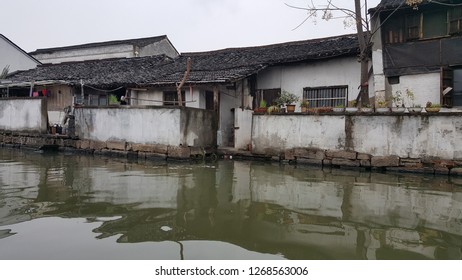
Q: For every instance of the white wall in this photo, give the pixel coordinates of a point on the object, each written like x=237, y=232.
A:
x=426, y=87
x=406, y=136
x=14, y=57
x=293, y=78
x=280, y=132
x=24, y=114
x=103, y=52
x=146, y=125
x=86, y=54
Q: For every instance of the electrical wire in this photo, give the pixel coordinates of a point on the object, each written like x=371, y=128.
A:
x=103, y=90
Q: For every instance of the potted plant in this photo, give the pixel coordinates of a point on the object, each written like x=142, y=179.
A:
x=274, y=108
x=262, y=107
x=398, y=102
x=415, y=108
x=382, y=107
x=304, y=104
x=287, y=99
x=366, y=108
x=351, y=107
x=339, y=108
x=432, y=108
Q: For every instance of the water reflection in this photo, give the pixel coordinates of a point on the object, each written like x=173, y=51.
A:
x=243, y=210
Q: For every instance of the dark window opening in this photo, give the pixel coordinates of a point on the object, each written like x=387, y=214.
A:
x=434, y=24
x=393, y=80
x=171, y=98
x=269, y=95
x=209, y=100
x=413, y=27
x=326, y=96
x=455, y=19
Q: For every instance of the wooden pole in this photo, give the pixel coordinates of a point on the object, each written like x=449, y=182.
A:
x=185, y=77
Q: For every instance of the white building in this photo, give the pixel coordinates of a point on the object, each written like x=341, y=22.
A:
x=141, y=47
x=13, y=57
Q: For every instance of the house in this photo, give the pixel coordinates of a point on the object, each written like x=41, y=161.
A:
x=418, y=48
x=141, y=47
x=13, y=57
x=324, y=71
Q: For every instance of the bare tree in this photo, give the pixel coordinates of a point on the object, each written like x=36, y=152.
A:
x=359, y=17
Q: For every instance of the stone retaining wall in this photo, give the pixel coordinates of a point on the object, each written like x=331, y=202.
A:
x=107, y=148
x=340, y=158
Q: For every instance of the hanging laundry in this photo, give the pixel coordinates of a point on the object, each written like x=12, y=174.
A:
x=35, y=94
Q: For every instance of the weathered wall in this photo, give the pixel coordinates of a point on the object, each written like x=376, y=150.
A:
x=403, y=135
x=426, y=87
x=409, y=136
x=23, y=114
x=147, y=125
x=276, y=133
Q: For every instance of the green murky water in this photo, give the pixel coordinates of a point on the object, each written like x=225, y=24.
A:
x=63, y=206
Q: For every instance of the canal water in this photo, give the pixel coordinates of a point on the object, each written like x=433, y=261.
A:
x=67, y=206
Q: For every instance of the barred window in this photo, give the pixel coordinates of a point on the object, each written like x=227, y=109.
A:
x=326, y=96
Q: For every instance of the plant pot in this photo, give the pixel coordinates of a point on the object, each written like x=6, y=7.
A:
x=338, y=109
x=260, y=110
x=351, y=110
x=398, y=109
x=432, y=109
x=382, y=110
x=303, y=109
x=366, y=110
x=414, y=109
x=290, y=108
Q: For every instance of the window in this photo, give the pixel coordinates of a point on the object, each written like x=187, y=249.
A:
x=413, y=27
x=434, y=24
x=393, y=31
x=326, y=96
x=171, y=98
x=455, y=18
x=269, y=95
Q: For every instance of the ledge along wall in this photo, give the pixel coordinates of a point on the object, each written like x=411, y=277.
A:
x=427, y=143
x=24, y=115
x=176, y=132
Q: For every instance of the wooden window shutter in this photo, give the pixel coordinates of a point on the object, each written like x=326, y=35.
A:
x=447, y=80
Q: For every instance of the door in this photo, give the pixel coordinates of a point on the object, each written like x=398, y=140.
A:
x=457, y=91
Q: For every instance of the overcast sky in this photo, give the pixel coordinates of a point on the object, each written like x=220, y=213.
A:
x=191, y=25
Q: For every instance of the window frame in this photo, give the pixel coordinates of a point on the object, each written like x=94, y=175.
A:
x=331, y=100
x=173, y=102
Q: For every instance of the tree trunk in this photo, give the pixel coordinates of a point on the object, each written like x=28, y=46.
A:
x=363, y=56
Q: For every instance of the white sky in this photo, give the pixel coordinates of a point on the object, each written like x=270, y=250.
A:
x=191, y=25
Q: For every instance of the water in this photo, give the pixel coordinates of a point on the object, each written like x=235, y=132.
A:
x=63, y=206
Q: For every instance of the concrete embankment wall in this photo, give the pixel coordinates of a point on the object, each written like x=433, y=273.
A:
x=143, y=132
x=428, y=143
x=24, y=114
x=147, y=125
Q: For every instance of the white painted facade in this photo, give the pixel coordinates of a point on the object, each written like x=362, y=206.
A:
x=23, y=115
x=14, y=57
x=230, y=99
x=122, y=50
x=344, y=71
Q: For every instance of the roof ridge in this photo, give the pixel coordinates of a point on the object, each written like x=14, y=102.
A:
x=103, y=43
x=288, y=43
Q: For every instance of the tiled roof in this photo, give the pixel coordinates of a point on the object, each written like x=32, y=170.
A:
x=141, y=42
x=226, y=65
x=393, y=4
